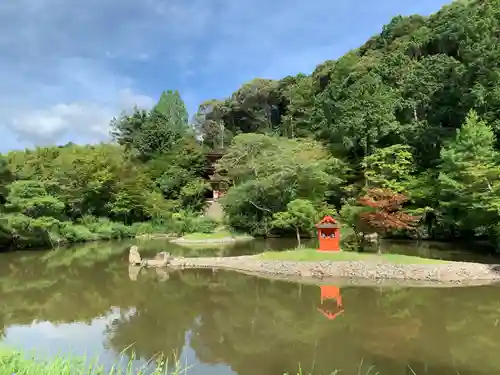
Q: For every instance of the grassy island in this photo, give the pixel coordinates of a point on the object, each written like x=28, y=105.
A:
x=208, y=236
x=312, y=255
x=221, y=236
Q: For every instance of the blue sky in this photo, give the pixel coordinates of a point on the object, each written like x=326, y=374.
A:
x=68, y=66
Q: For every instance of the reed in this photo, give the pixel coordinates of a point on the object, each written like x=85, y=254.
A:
x=17, y=363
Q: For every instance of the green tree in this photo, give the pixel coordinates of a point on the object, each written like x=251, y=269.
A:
x=269, y=172
x=150, y=133
x=179, y=174
x=32, y=199
x=389, y=167
x=6, y=178
x=469, y=179
x=300, y=215
x=172, y=106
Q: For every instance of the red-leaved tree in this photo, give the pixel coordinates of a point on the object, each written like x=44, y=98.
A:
x=386, y=214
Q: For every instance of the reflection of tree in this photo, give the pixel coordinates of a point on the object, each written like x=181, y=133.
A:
x=256, y=325
x=390, y=327
x=163, y=314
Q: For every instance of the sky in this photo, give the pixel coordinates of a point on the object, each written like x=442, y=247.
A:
x=91, y=340
x=67, y=67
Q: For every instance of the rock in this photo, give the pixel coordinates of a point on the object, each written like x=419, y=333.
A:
x=160, y=260
x=370, y=237
x=133, y=272
x=134, y=258
x=167, y=256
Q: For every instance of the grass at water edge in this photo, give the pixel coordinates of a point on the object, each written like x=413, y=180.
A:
x=18, y=363
x=213, y=236
x=312, y=255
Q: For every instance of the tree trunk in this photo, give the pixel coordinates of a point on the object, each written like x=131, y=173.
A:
x=360, y=240
x=379, y=251
x=298, y=237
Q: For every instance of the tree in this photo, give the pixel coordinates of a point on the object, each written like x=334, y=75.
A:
x=126, y=128
x=386, y=213
x=149, y=133
x=269, y=172
x=179, y=174
x=6, y=178
x=300, y=215
x=350, y=214
x=173, y=107
x=469, y=178
x=389, y=167
x=32, y=199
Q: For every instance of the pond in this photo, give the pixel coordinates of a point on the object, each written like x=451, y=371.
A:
x=83, y=301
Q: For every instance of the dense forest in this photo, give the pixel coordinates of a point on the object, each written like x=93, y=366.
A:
x=415, y=111
x=149, y=181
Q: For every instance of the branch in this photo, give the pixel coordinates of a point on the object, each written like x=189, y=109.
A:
x=489, y=185
x=258, y=207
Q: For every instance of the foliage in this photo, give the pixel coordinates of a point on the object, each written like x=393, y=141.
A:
x=389, y=111
x=385, y=214
x=414, y=110
x=149, y=133
x=67, y=194
x=269, y=172
x=300, y=215
x=469, y=178
x=389, y=167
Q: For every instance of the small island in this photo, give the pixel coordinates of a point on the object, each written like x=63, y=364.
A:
x=310, y=264
x=218, y=237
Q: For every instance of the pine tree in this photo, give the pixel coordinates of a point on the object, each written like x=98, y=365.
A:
x=150, y=133
x=469, y=178
x=173, y=108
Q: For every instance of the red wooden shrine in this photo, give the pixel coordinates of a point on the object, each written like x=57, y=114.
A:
x=328, y=234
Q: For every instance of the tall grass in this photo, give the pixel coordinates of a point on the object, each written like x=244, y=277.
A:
x=16, y=363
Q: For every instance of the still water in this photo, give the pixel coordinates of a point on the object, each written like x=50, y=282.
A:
x=84, y=301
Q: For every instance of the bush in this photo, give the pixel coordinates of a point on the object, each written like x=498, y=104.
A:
x=106, y=229
x=182, y=223
x=200, y=224
x=149, y=227
x=74, y=233
x=22, y=231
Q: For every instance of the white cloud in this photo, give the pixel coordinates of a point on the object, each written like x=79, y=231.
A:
x=90, y=121
x=67, y=66
x=74, y=98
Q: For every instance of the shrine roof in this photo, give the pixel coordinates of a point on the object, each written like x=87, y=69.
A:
x=327, y=222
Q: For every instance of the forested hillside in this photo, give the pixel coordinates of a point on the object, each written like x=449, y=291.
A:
x=415, y=111
x=150, y=182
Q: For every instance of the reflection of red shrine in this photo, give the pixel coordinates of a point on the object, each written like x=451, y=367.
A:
x=331, y=301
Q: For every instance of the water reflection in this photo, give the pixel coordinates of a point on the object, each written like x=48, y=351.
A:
x=227, y=323
x=329, y=294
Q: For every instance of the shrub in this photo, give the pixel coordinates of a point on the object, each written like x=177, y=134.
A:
x=24, y=231
x=106, y=229
x=185, y=222
x=73, y=233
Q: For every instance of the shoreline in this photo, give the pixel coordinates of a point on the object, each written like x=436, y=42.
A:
x=211, y=241
x=352, y=272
